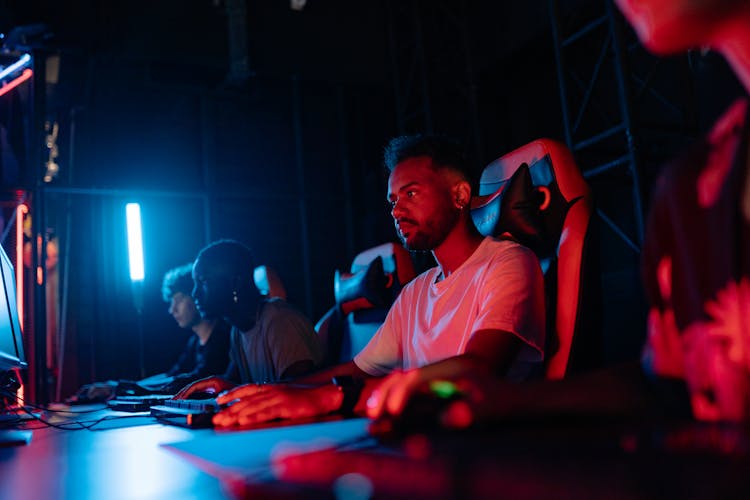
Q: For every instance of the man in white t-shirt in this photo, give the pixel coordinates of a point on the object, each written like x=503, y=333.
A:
x=481, y=310
x=435, y=318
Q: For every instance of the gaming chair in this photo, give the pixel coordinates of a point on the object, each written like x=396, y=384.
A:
x=537, y=196
x=268, y=282
x=363, y=297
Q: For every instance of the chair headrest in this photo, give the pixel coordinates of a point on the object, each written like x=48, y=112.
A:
x=549, y=162
x=377, y=276
x=527, y=193
x=268, y=282
x=512, y=211
x=396, y=259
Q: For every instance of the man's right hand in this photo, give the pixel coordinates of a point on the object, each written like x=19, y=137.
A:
x=96, y=392
x=212, y=385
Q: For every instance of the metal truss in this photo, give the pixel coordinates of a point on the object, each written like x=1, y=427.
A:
x=616, y=118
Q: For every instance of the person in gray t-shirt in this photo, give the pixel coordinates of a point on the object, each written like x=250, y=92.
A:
x=271, y=340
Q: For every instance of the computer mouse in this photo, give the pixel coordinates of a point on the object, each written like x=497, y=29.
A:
x=202, y=395
x=420, y=415
x=91, y=394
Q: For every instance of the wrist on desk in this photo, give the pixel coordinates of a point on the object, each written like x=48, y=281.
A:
x=324, y=398
x=333, y=397
x=350, y=390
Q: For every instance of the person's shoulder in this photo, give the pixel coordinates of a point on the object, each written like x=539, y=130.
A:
x=501, y=256
x=276, y=305
x=496, y=249
x=277, y=308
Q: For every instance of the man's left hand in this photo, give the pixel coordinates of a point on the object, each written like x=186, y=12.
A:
x=255, y=404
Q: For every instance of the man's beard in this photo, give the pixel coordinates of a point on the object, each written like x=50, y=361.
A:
x=434, y=234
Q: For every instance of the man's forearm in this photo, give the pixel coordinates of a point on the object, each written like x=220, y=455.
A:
x=454, y=367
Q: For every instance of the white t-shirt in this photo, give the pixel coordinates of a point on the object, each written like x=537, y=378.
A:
x=500, y=287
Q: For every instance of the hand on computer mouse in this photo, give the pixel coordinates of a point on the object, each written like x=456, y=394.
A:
x=203, y=395
x=423, y=413
x=410, y=405
x=97, y=392
x=212, y=385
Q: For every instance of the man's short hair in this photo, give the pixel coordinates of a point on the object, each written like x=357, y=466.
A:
x=230, y=255
x=177, y=280
x=443, y=151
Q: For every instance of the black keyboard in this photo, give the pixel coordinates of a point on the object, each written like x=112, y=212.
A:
x=136, y=403
x=193, y=413
x=196, y=405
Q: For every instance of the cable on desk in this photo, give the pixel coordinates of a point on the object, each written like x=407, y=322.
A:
x=69, y=426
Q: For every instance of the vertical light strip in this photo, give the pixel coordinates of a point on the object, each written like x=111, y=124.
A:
x=39, y=271
x=135, y=241
x=20, y=213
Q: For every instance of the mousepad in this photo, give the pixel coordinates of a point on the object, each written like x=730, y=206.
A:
x=225, y=454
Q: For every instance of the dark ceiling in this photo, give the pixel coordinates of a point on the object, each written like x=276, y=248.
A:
x=329, y=40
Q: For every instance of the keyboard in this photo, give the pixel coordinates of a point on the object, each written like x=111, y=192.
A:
x=193, y=413
x=196, y=405
x=137, y=403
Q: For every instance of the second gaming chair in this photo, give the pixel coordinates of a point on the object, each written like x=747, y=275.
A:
x=363, y=296
x=268, y=282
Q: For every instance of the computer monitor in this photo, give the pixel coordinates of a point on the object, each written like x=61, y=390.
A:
x=11, y=342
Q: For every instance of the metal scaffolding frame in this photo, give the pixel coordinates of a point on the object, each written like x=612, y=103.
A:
x=605, y=27
x=599, y=63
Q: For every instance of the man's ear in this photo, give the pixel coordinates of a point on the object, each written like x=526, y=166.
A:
x=461, y=194
x=237, y=282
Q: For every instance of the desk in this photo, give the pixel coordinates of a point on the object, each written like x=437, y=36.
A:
x=123, y=462
x=135, y=457
x=581, y=459
x=586, y=458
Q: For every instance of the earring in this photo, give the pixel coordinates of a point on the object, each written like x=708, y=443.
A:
x=234, y=296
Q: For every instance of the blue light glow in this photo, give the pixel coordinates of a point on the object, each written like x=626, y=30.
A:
x=135, y=241
x=23, y=61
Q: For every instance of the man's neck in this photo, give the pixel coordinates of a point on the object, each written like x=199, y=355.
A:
x=457, y=247
x=203, y=330
x=245, y=315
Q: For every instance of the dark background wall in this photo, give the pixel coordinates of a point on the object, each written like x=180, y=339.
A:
x=283, y=153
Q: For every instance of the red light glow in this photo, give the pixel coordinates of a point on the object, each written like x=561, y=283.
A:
x=16, y=82
x=20, y=213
